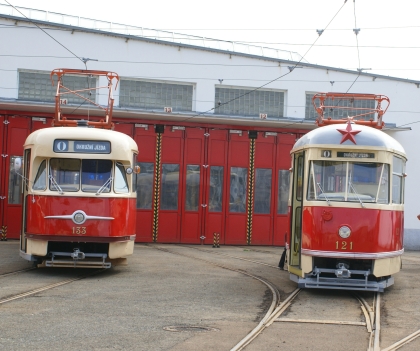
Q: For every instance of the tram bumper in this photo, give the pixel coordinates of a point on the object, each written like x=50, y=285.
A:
x=340, y=282
x=78, y=259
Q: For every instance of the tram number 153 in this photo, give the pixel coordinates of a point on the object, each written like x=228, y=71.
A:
x=79, y=230
x=343, y=245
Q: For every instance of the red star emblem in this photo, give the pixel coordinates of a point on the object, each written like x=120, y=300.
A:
x=348, y=133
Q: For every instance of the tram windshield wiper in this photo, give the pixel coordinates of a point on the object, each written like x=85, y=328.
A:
x=104, y=186
x=55, y=184
x=355, y=193
x=323, y=193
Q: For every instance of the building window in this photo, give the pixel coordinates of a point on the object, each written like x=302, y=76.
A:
x=156, y=95
x=249, y=102
x=36, y=86
x=337, y=113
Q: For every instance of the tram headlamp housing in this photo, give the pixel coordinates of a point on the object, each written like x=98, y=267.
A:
x=344, y=232
x=135, y=170
x=79, y=217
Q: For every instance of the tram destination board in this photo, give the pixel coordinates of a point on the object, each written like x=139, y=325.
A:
x=82, y=146
x=356, y=154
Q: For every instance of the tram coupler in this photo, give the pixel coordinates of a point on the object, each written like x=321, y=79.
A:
x=342, y=271
x=77, y=255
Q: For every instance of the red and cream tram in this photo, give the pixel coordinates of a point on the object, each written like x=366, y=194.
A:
x=346, y=198
x=79, y=199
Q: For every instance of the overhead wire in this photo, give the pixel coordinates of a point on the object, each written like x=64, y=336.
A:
x=44, y=31
x=273, y=80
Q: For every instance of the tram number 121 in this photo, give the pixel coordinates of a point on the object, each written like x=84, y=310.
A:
x=343, y=245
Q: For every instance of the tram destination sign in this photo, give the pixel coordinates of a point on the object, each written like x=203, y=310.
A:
x=356, y=154
x=82, y=146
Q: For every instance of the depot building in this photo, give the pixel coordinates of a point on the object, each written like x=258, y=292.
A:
x=200, y=109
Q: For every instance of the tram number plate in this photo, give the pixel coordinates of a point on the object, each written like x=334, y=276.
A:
x=79, y=230
x=344, y=245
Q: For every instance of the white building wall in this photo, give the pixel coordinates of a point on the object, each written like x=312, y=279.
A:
x=26, y=47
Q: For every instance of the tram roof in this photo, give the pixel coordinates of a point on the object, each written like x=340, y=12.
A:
x=121, y=143
x=367, y=137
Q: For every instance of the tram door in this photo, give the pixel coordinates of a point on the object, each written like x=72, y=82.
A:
x=145, y=138
x=281, y=223
x=263, y=209
x=237, y=183
x=296, y=213
x=193, y=199
x=15, y=129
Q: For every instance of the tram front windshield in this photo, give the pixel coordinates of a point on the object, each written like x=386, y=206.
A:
x=73, y=174
x=348, y=181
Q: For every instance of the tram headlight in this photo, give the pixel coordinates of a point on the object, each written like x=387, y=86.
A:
x=344, y=232
x=79, y=217
x=129, y=170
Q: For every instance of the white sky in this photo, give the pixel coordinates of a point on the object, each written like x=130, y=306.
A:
x=388, y=40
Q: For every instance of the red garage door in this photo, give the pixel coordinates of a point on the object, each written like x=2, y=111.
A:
x=15, y=131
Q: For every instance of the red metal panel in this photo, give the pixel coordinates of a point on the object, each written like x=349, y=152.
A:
x=3, y=188
x=372, y=231
x=17, y=130
x=124, y=128
x=283, y=162
x=216, y=156
x=263, y=224
x=238, y=156
x=122, y=210
x=36, y=125
x=172, y=154
x=192, y=211
x=146, y=142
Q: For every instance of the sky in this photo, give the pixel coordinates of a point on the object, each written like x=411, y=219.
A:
x=387, y=43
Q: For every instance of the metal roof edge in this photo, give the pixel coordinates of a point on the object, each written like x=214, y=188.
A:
x=195, y=47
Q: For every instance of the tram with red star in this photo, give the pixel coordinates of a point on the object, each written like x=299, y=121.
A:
x=347, y=197
x=79, y=197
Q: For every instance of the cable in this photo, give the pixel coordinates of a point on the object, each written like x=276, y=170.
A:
x=44, y=31
x=356, y=32
x=273, y=80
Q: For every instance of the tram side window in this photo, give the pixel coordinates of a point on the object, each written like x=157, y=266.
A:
x=64, y=174
x=398, y=180
x=96, y=176
x=40, y=182
x=120, y=184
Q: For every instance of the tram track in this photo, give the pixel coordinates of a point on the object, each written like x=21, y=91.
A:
x=44, y=288
x=16, y=272
x=371, y=312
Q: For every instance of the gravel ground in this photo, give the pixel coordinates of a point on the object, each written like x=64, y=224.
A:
x=179, y=301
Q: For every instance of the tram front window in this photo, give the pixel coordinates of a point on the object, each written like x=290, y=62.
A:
x=96, y=176
x=364, y=182
x=64, y=174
